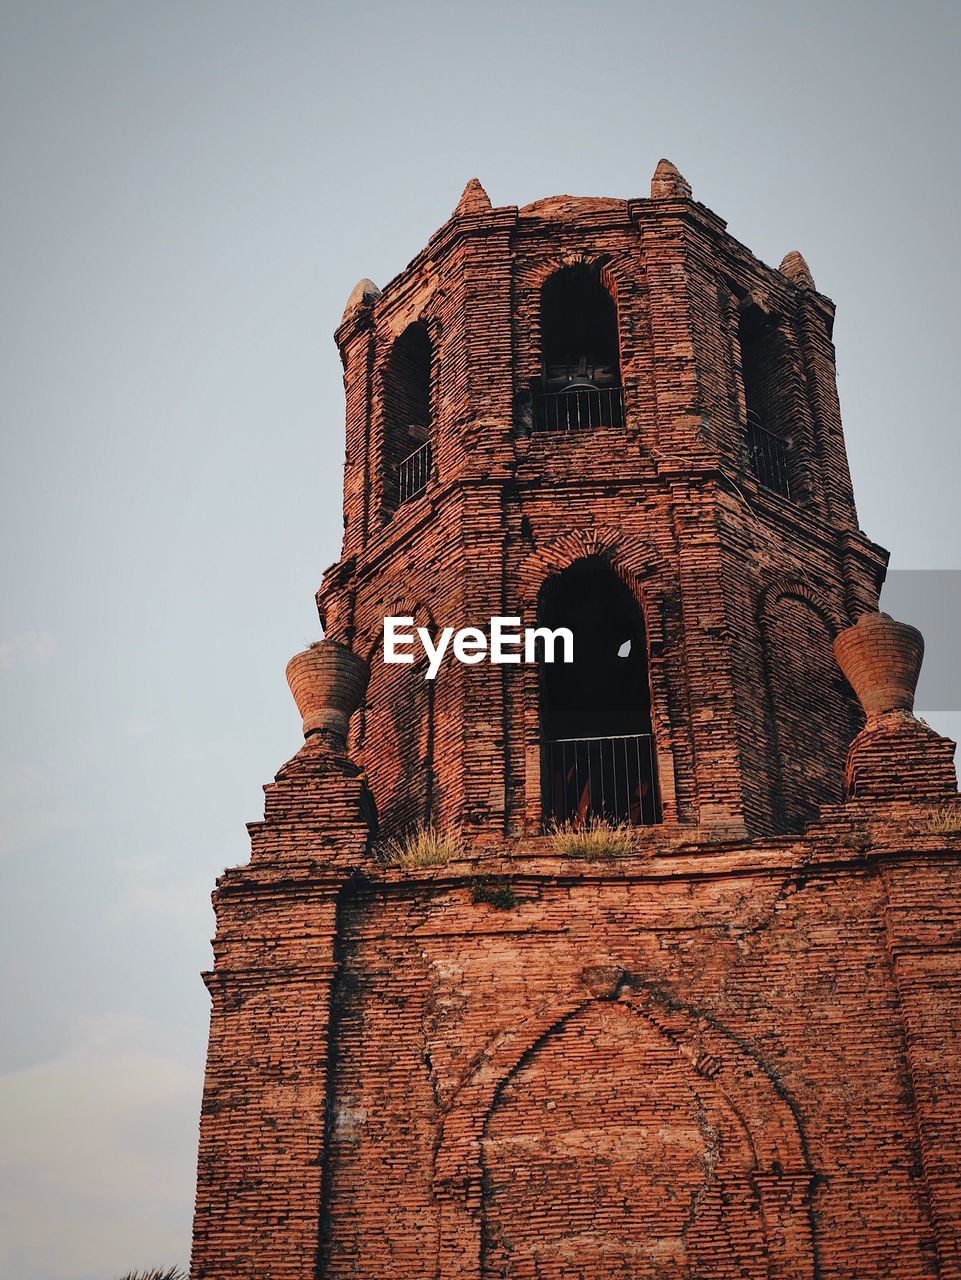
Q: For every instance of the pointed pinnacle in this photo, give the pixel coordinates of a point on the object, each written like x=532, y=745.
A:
x=474, y=200
x=363, y=293
x=669, y=182
x=797, y=270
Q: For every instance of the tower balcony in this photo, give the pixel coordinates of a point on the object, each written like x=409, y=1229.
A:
x=769, y=456
x=608, y=779
x=413, y=472
x=579, y=407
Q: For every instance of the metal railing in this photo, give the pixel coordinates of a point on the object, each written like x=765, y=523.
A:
x=413, y=473
x=769, y=457
x=578, y=409
x=610, y=778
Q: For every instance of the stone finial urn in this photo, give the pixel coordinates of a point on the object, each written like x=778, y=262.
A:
x=328, y=682
x=882, y=661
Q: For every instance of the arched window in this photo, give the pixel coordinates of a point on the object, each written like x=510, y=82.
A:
x=407, y=417
x=597, y=744
x=766, y=398
x=581, y=380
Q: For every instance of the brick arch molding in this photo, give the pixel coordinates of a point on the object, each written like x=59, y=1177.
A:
x=782, y=1174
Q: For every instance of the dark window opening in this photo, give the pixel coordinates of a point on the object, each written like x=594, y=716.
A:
x=766, y=399
x=598, y=755
x=407, y=417
x=580, y=386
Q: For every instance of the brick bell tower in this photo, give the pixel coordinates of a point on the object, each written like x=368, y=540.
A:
x=730, y=1051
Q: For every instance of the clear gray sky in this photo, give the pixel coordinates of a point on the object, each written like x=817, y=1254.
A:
x=189, y=192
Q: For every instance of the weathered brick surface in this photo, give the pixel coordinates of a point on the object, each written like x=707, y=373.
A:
x=668, y=499
x=734, y=1054
x=328, y=682
x=882, y=660
x=758, y=994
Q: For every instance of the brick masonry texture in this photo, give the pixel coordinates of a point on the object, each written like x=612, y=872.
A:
x=733, y=1053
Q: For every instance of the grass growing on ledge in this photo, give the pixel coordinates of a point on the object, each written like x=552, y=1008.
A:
x=595, y=840
x=944, y=821
x=170, y=1273
x=495, y=892
x=422, y=846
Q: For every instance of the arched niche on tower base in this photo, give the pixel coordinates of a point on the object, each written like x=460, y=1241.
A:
x=812, y=713
x=391, y=733
x=620, y=1130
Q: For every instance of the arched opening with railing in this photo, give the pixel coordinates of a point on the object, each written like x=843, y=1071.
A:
x=407, y=455
x=597, y=745
x=766, y=399
x=581, y=380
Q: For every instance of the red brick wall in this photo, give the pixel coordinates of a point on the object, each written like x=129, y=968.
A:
x=497, y=1102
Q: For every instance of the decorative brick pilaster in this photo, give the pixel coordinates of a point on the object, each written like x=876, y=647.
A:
x=265, y=1105
x=924, y=939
